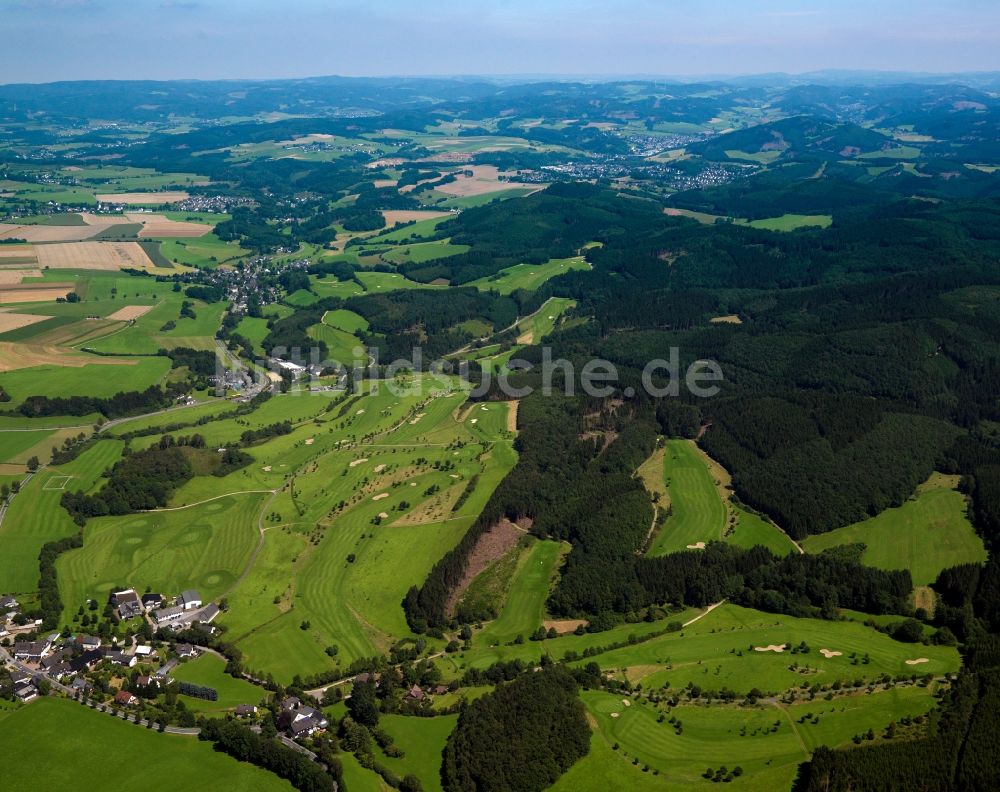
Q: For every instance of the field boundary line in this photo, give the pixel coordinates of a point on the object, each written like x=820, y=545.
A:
x=795, y=731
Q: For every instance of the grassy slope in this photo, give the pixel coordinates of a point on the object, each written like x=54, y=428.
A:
x=142, y=758
x=209, y=671
x=925, y=535
x=204, y=547
x=529, y=276
x=712, y=737
x=717, y=651
x=699, y=515
x=35, y=516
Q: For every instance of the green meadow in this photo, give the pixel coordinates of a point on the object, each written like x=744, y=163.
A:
x=420, y=252
x=147, y=759
x=100, y=380
x=751, y=530
x=928, y=533
x=422, y=740
x=529, y=276
x=210, y=671
x=792, y=222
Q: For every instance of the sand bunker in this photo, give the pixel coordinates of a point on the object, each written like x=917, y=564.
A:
x=266, y=468
x=698, y=546
x=417, y=417
x=615, y=714
x=379, y=468
x=380, y=496
x=770, y=648
x=626, y=703
x=360, y=412
x=357, y=462
x=383, y=515
x=918, y=661
x=310, y=440
x=828, y=653
x=474, y=420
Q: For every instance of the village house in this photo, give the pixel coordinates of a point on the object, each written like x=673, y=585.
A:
x=86, y=661
x=125, y=699
x=246, y=711
x=119, y=658
x=152, y=601
x=9, y=607
x=128, y=604
x=189, y=600
x=32, y=651
x=186, y=650
x=415, y=693
x=88, y=642
x=143, y=651
x=167, y=615
x=302, y=719
x=25, y=691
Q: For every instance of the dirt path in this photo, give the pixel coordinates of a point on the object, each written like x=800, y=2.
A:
x=208, y=500
x=703, y=614
x=651, y=531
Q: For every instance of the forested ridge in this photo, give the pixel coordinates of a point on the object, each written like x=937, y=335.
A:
x=522, y=736
x=866, y=352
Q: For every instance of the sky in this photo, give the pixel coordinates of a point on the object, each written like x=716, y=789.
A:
x=47, y=40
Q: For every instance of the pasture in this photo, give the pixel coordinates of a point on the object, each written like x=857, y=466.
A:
x=420, y=252
x=422, y=740
x=529, y=276
x=792, y=222
x=928, y=533
x=168, y=762
x=752, y=529
x=209, y=671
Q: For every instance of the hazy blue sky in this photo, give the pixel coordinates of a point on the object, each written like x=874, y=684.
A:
x=44, y=40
